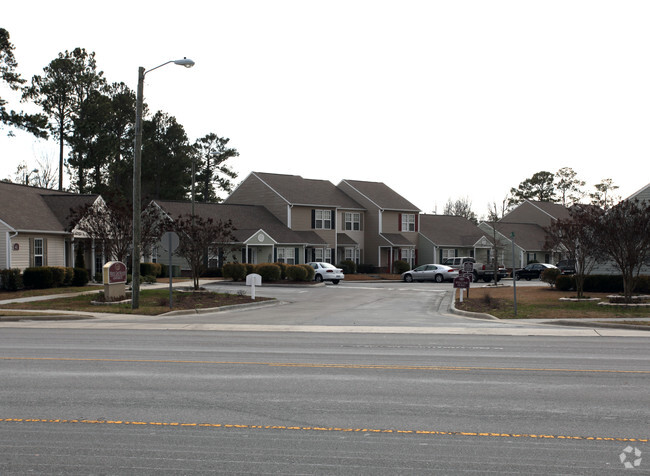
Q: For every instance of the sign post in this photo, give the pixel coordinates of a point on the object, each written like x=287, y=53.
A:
x=170, y=243
x=114, y=278
x=462, y=282
x=253, y=280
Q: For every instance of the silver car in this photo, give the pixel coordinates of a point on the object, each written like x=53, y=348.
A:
x=327, y=272
x=430, y=272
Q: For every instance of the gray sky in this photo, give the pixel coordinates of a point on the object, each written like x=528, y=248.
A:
x=437, y=99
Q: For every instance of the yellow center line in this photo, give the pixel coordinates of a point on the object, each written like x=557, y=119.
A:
x=326, y=429
x=324, y=365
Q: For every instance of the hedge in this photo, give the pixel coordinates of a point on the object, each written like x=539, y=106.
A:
x=11, y=280
x=400, y=267
x=311, y=272
x=348, y=266
x=39, y=277
x=296, y=272
x=80, y=277
x=602, y=283
x=234, y=271
x=150, y=269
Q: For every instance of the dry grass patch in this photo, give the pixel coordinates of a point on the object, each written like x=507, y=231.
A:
x=542, y=303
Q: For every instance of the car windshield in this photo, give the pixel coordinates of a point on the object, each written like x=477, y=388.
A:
x=327, y=265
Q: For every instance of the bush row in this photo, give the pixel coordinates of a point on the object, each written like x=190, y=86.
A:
x=600, y=283
x=42, y=277
x=269, y=272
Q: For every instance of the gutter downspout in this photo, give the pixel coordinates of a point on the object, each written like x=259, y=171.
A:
x=8, y=251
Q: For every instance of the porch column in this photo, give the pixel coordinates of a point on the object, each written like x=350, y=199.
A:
x=92, y=260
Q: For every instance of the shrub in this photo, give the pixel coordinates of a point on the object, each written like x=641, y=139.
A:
x=565, y=283
x=234, y=271
x=147, y=278
x=400, y=267
x=150, y=269
x=212, y=273
x=642, y=285
x=550, y=275
x=80, y=277
x=348, y=266
x=69, y=275
x=365, y=268
x=269, y=272
x=296, y=272
x=79, y=261
x=283, y=270
x=40, y=277
x=311, y=272
x=164, y=270
x=11, y=280
x=58, y=275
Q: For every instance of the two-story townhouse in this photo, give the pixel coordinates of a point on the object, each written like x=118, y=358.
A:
x=330, y=222
x=446, y=236
x=391, y=223
x=35, y=227
x=258, y=236
x=527, y=221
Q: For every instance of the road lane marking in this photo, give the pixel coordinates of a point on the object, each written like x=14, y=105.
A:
x=327, y=366
x=320, y=428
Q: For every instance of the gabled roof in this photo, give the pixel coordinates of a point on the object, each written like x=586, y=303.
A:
x=396, y=239
x=381, y=195
x=528, y=236
x=301, y=191
x=246, y=219
x=446, y=230
x=641, y=195
x=530, y=211
x=25, y=208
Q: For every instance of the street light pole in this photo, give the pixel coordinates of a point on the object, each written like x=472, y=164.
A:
x=137, y=169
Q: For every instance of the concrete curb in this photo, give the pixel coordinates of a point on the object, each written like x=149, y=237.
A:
x=606, y=325
x=475, y=315
x=186, y=312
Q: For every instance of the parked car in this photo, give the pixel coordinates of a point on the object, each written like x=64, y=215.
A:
x=567, y=266
x=327, y=272
x=430, y=272
x=532, y=271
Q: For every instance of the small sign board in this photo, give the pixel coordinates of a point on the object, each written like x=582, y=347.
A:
x=114, y=272
x=468, y=267
x=169, y=242
x=462, y=282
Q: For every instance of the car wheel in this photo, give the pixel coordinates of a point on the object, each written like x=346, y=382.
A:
x=517, y=277
x=335, y=281
x=318, y=278
x=475, y=277
x=527, y=278
x=487, y=279
x=408, y=278
x=439, y=278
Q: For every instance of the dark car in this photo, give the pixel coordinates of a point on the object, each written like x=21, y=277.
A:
x=532, y=271
x=567, y=266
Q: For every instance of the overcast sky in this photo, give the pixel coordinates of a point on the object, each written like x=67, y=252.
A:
x=437, y=99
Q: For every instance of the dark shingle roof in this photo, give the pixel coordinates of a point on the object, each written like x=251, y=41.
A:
x=31, y=208
x=247, y=219
x=300, y=191
x=450, y=230
x=528, y=236
x=382, y=195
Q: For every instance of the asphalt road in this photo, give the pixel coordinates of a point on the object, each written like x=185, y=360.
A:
x=100, y=401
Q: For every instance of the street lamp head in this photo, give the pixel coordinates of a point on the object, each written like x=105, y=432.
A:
x=188, y=63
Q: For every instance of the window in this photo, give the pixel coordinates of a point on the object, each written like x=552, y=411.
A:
x=408, y=255
x=286, y=255
x=328, y=255
x=448, y=253
x=408, y=222
x=323, y=219
x=38, y=252
x=352, y=221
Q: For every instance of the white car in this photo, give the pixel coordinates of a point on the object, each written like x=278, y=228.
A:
x=430, y=272
x=327, y=272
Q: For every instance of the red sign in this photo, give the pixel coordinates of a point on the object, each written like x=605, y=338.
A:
x=461, y=282
x=117, y=273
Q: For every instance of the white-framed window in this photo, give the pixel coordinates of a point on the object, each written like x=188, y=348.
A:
x=38, y=252
x=408, y=255
x=323, y=219
x=286, y=255
x=408, y=221
x=328, y=255
x=448, y=253
x=352, y=221
x=349, y=254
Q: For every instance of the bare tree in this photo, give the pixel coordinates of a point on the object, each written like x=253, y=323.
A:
x=196, y=236
x=624, y=237
x=604, y=196
x=577, y=236
x=461, y=207
x=494, y=215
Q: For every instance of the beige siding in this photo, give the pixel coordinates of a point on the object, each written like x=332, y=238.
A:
x=4, y=251
x=301, y=218
x=54, y=252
